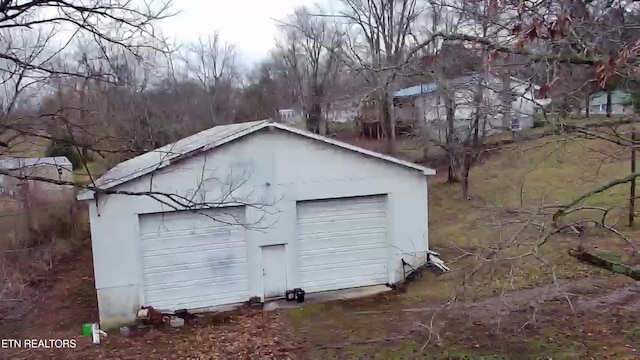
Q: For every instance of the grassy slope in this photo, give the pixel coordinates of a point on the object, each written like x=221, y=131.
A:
x=27, y=146
x=92, y=171
x=522, y=178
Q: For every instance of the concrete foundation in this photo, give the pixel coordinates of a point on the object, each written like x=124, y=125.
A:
x=326, y=296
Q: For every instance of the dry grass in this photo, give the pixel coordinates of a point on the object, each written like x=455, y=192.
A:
x=27, y=256
x=523, y=178
x=505, y=189
x=91, y=171
x=27, y=146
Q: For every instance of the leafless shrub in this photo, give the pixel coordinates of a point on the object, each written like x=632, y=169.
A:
x=59, y=230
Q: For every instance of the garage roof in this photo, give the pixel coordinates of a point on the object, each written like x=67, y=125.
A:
x=209, y=139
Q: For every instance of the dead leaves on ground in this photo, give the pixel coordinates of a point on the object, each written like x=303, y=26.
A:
x=250, y=335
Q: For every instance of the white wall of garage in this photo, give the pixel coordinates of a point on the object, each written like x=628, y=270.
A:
x=278, y=169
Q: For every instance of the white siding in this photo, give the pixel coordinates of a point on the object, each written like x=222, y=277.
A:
x=616, y=109
x=190, y=261
x=342, y=243
x=275, y=170
x=432, y=110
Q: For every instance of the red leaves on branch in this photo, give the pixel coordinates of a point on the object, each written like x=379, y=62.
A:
x=493, y=55
x=517, y=29
x=535, y=31
x=623, y=57
x=519, y=44
x=545, y=90
x=539, y=29
x=424, y=61
x=559, y=27
x=604, y=71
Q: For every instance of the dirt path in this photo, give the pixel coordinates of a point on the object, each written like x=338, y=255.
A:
x=584, y=294
x=536, y=321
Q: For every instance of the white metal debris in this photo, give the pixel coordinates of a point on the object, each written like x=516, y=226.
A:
x=175, y=321
x=433, y=259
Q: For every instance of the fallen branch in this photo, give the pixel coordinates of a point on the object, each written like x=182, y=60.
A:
x=595, y=191
x=605, y=264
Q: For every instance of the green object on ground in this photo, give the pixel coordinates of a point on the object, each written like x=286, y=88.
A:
x=87, y=329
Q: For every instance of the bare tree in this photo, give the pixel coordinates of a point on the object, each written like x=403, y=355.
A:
x=551, y=36
x=212, y=63
x=312, y=51
x=544, y=35
x=379, y=34
x=36, y=50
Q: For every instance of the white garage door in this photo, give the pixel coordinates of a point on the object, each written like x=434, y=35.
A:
x=342, y=243
x=190, y=260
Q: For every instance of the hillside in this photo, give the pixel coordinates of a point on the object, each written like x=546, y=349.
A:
x=507, y=295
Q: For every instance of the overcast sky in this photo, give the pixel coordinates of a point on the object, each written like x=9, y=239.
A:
x=249, y=24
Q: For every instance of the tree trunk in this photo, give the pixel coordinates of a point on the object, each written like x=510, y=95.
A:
x=609, y=92
x=506, y=101
x=452, y=177
x=587, y=105
x=451, y=146
x=465, y=178
x=389, y=123
x=447, y=96
x=313, y=120
x=324, y=121
x=314, y=113
x=563, y=109
x=472, y=144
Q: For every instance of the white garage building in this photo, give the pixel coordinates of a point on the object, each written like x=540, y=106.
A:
x=270, y=208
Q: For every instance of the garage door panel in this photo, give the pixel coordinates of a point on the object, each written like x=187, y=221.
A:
x=337, y=212
x=191, y=261
x=359, y=241
x=179, y=281
x=339, y=257
x=164, y=235
x=322, y=273
x=186, y=220
x=197, y=253
x=197, y=288
x=342, y=242
x=321, y=207
x=193, y=271
x=343, y=227
x=197, y=301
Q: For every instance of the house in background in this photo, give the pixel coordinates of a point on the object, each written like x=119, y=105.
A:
x=621, y=103
x=425, y=104
x=301, y=211
x=291, y=116
x=53, y=168
x=342, y=111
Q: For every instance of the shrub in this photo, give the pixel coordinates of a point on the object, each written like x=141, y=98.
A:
x=65, y=148
x=538, y=123
x=60, y=229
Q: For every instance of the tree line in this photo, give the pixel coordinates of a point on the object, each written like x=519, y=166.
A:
x=101, y=79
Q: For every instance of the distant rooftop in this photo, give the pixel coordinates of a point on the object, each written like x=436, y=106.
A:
x=427, y=88
x=431, y=87
x=617, y=97
x=19, y=163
